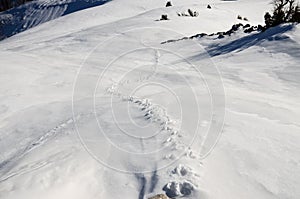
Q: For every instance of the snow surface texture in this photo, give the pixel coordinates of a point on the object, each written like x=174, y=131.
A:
x=98, y=104
x=37, y=12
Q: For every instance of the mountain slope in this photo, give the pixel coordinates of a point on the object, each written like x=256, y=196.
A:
x=99, y=108
x=35, y=13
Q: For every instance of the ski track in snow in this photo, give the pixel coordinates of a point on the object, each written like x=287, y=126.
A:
x=7, y=165
x=36, y=165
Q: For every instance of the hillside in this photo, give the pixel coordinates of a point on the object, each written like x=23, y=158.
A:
x=94, y=104
x=34, y=13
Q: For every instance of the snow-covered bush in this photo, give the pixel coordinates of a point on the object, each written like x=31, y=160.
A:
x=193, y=13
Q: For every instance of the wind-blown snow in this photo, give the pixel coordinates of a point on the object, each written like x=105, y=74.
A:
x=37, y=12
x=82, y=119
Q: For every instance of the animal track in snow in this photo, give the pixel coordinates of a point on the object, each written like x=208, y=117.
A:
x=178, y=189
x=181, y=170
x=156, y=114
x=182, y=178
x=181, y=183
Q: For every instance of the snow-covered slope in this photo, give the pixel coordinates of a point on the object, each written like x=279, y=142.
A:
x=99, y=108
x=259, y=147
x=37, y=12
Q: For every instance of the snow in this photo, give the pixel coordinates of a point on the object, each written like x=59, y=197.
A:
x=33, y=13
x=93, y=105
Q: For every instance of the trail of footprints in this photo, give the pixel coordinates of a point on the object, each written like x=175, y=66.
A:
x=182, y=177
x=158, y=115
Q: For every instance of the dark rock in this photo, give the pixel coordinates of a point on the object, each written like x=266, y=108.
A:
x=164, y=17
x=260, y=28
x=221, y=36
x=198, y=35
x=220, y=33
x=235, y=27
x=229, y=32
x=168, y=4
x=249, y=30
x=246, y=26
x=191, y=13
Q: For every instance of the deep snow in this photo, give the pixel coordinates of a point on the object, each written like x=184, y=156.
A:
x=99, y=108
